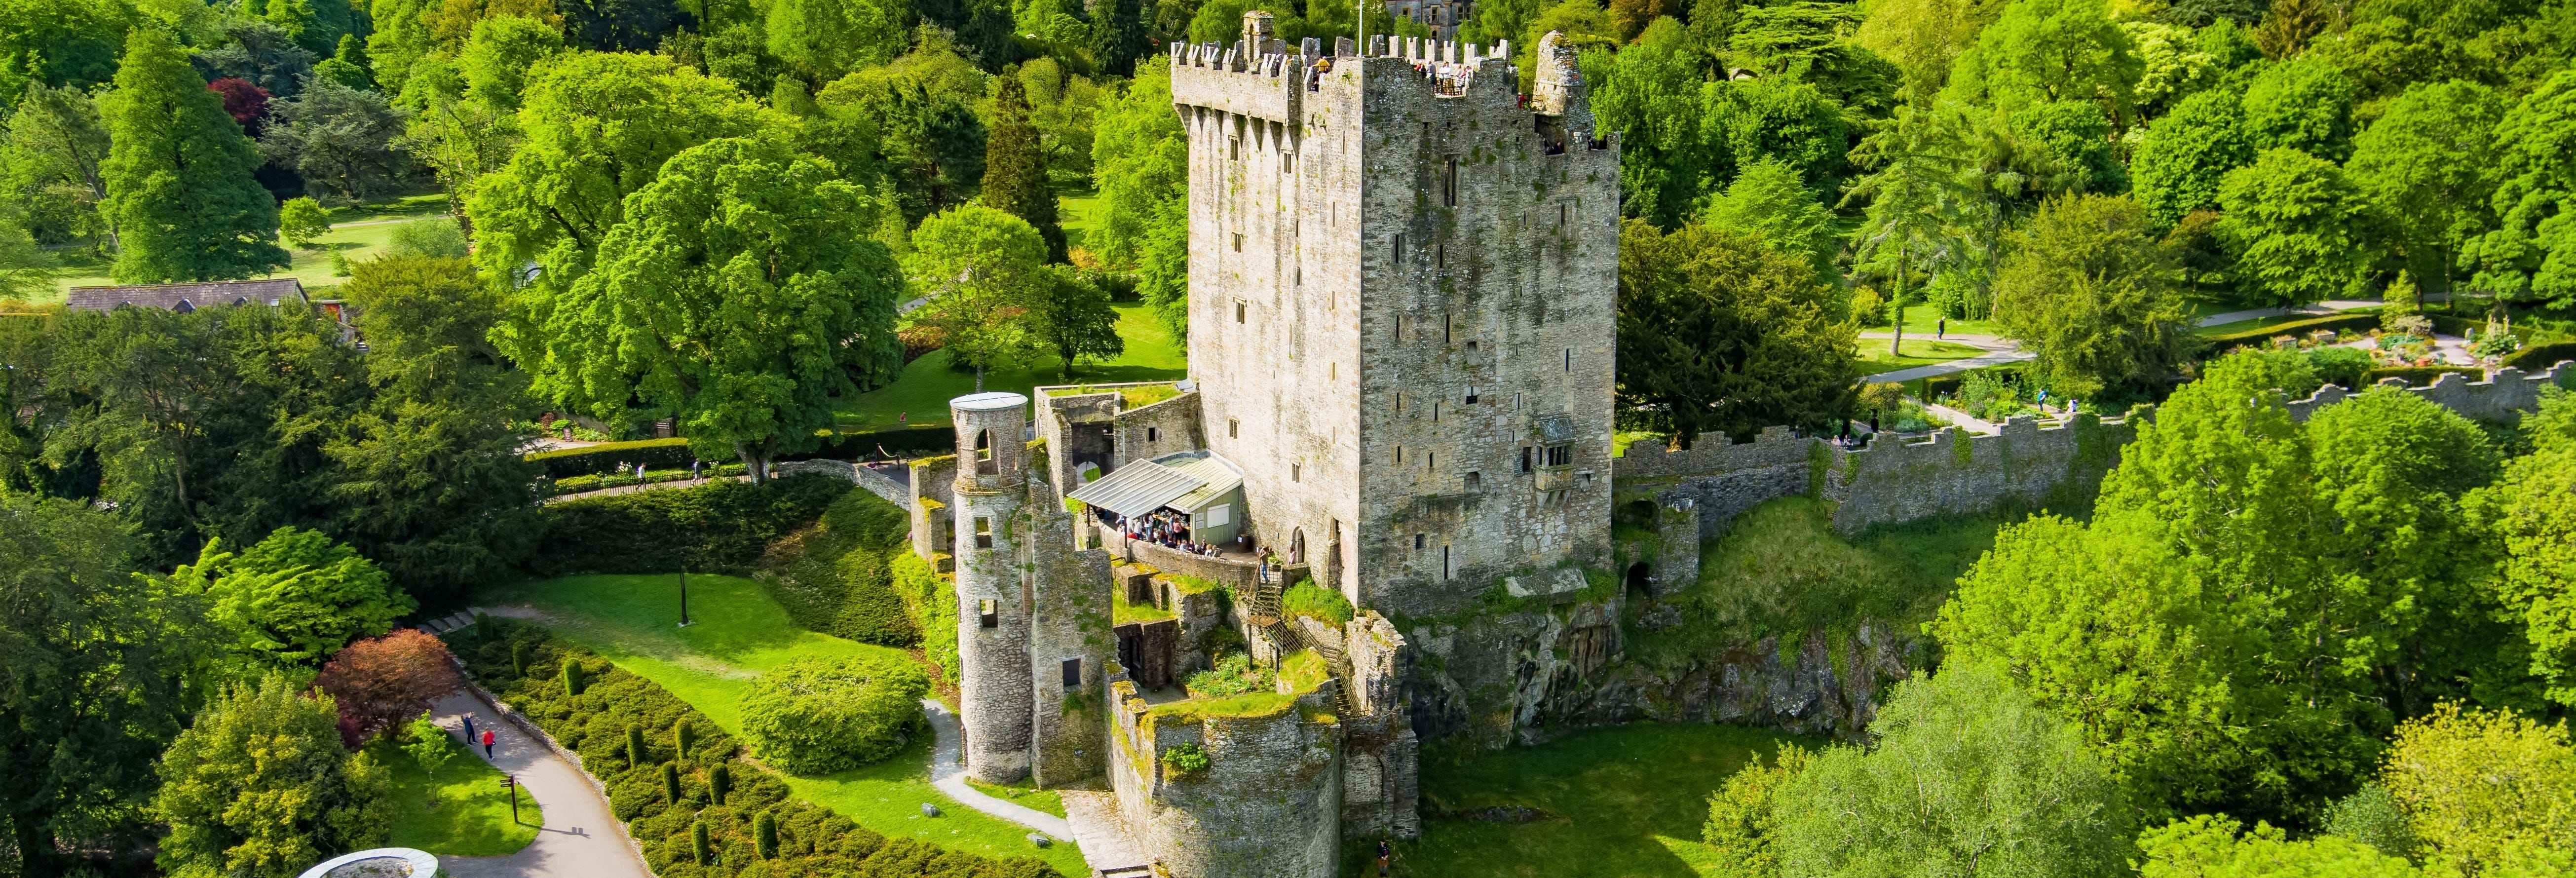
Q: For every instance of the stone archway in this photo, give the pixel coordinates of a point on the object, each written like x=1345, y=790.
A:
x=1640, y=580
x=1297, y=546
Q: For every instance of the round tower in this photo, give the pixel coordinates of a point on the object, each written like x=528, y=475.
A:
x=992, y=598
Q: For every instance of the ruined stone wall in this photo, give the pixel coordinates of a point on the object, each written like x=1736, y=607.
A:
x=933, y=496
x=2503, y=397
x=1068, y=623
x=1077, y=429
x=1895, y=481
x=1721, y=479
x=1266, y=805
x=1381, y=755
x=1168, y=426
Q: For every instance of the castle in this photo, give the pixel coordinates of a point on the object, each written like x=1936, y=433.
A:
x=1401, y=327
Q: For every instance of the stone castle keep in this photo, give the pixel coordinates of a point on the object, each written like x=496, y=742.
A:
x=1401, y=329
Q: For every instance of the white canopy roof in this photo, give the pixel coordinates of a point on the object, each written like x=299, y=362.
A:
x=1183, y=481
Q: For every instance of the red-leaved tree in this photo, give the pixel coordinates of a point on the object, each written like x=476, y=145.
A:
x=247, y=103
x=386, y=681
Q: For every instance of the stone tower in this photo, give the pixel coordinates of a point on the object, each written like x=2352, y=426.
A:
x=994, y=698
x=1402, y=309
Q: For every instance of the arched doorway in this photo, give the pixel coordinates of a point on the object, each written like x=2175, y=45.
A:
x=1640, y=579
x=1297, y=546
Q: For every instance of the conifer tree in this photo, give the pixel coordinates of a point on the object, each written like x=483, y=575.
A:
x=1015, y=174
x=179, y=187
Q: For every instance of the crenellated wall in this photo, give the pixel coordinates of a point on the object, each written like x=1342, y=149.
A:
x=1951, y=472
x=1266, y=805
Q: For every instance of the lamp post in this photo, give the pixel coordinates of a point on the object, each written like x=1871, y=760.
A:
x=684, y=597
x=510, y=786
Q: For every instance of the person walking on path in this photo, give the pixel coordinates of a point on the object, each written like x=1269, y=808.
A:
x=1940, y=328
x=1385, y=857
x=580, y=835
x=487, y=744
x=469, y=730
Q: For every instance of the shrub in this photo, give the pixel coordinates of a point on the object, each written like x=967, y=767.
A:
x=2539, y=357
x=1309, y=599
x=1234, y=674
x=382, y=682
x=437, y=237
x=817, y=716
x=2344, y=366
x=717, y=527
x=931, y=600
x=609, y=457
x=811, y=841
x=1185, y=758
x=2219, y=344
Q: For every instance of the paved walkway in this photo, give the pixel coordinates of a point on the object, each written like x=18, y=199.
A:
x=1998, y=351
x=948, y=773
x=1093, y=815
x=2320, y=308
x=580, y=839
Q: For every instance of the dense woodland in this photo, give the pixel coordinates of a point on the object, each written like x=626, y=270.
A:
x=709, y=211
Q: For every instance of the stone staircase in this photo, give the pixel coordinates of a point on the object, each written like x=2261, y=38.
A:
x=449, y=624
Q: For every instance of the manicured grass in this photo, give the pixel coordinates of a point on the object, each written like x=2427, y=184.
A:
x=738, y=632
x=357, y=233
x=923, y=390
x=1924, y=320
x=471, y=814
x=1078, y=212
x=1025, y=796
x=1915, y=352
x=1628, y=801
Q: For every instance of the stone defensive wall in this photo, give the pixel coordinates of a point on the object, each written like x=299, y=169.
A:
x=1895, y=480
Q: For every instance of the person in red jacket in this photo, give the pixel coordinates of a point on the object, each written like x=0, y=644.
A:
x=487, y=743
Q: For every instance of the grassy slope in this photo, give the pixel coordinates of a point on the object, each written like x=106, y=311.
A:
x=1917, y=352
x=1631, y=800
x=927, y=384
x=739, y=632
x=472, y=816
x=356, y=234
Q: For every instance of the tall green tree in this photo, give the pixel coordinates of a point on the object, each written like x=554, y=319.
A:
x=1769, y=202
x=339, y=137
x=1719, y=333
x=829, y=38
x=178, y=177
x=1915, y=211
x=430, y=480
x=1118, y=35
x=984, y=272
x=1651, y=96
x=740, y=297
x=2531, y=254
x=2043, y=51
x=2303, y=104
x=1015, y=172
x=52, y=161
x=2297, y=226
x=2530, y=517
x=2090, y=288
x=1139, y=160
x=1924, y=38
x=1080, y=323
x=2424, y=165
x=259, y=787
x=290, y=601
x=2185, y=156
x=96, y=664
x=1964, y=776
x=2215, y=846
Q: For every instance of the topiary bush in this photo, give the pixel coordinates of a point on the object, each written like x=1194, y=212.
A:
x=811, y=842
x=817, y=716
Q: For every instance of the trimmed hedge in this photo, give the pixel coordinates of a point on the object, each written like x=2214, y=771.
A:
x=2422, y=376
x=2218, y=344
x=605, y=457
x=810, y=841
x=720, y=527
x=833, y=577
x=2535, y=358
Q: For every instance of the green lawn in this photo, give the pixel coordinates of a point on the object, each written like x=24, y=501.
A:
x=1627, y=801
x=738, y=632
x=1924, y=320
x=471, y=814
x=1913, y=352
x=357, y=233
x=923, y=390
x=1049, y=801
x=1077, y=212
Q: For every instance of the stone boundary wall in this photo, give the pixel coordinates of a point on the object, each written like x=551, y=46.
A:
x=877, y=483
x=1954, y=472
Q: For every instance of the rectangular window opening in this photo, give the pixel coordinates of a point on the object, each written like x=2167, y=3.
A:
x=1440, y=256
x=1296, y=472
x=1569, y=361
x=1449, y=181
x=1475, y=480
x=1471, y=393
x=1417, y=541
x=1399, y=247
x=1238, y=316
x=1153, y=434
x=988, y=613
x=1073, y=673
x=983, y=532
x=1525, y=458
x=1238, y=242
x=1444, y=562
x=1233, y=428
x=1560, y=455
